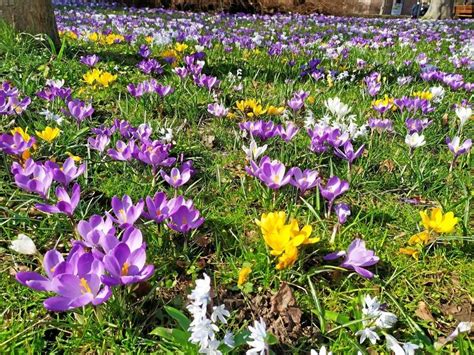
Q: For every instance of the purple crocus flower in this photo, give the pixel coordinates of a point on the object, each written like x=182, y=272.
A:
x=456, y=147
x=66, y=204
x=37, y=180
x=94, y=231
x=15, y=144
x=272, y=174
x=68, y=172
x=380, y=125
x=373, y=84
x=53, y=265
x=356, y=258
x=177, y=177
x=417, y=125
x=342, y=211
x=157, y=207
x=123, y=151
x=217, y=110
x=184, y=219
x=125, y=265
x=163, y=90
x=99, y=143
x=126, y=213
x=148, y=66
x=79, y=110
x=348, y=153
x=334, y=188
x=304, y=180
x=182, y=72
x=90, y=60
x=144, y=51
x=287, y=133
x=295, y=103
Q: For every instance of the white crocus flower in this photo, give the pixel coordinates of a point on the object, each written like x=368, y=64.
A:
x=253, y=151
x=229, y=339
x=166, y=135
x=337, y=107
x=23, y=245
x=464, y=114
x=463, y=327
x=258, y=335
x=368, y=333
x=438, y=93
x=219, y=312
x=394, y=345
x=415, y=140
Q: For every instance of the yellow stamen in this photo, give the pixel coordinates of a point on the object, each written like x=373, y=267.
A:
x=85, y=286
x=124, y=271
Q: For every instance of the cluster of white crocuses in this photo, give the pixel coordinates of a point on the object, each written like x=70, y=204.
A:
x=204, y=330
x=377, y=321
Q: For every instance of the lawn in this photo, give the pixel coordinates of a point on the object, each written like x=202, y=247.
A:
x=286, y=183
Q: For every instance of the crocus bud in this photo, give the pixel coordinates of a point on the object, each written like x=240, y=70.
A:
x=24, y=245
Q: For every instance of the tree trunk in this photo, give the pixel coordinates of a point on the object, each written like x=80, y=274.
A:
x=32, y=16
x=439, y=10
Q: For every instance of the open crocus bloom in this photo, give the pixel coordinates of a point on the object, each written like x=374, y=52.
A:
x=66, y=204
x=126, y=213
x=357, y=258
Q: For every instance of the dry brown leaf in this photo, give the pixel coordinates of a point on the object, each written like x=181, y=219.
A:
x=424, y=313
x=282, y=299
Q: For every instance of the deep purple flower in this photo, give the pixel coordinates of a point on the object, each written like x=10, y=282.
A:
x=272, y=174
x=356, y=258
x=14, y=144
x=66, y=204
x=79, y=110
x=67, y=172
x=184, y=219
x=126, y=213
x=163, y=90
x=148, y=66
x=90, y=60
x=304, y=180
x=348, y=153
x=181, y=72
x=342, y=211
x=144, y=51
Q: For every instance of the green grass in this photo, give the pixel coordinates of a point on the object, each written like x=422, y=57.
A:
x=230, y=200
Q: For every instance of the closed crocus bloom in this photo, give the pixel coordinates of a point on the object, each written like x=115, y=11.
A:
x=464, y=114
x=334, y=188
x=288, y=132
x=254, y=151
x=243, y=275
x=288, y=258
x=23, y=245
x=342, y=212
x=49, y=134
x=99, y=143
x=437, y=221
x=79, y=110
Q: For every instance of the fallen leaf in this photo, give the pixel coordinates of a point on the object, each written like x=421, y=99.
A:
x=282, y=299
x=424, y=313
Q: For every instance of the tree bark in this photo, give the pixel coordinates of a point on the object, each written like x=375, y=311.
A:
x=32, y=16
x=439, y=10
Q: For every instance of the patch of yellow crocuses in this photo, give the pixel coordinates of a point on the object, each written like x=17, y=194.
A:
x=284, y=238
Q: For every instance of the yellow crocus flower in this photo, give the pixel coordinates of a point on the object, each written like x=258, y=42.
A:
x=437, y=221
x=106, y=78
x=288, y=258
x=243, y=275
x=275, y=110
x=421, y=238
x=48, y=134
x=180, y=47
x=91, y=76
